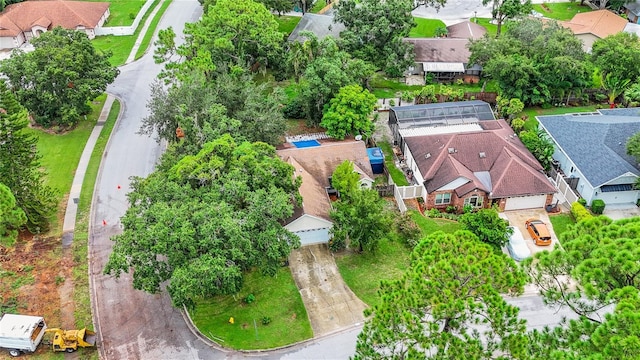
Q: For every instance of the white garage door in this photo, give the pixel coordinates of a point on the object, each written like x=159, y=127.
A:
x=316, y=236
x=525, y=202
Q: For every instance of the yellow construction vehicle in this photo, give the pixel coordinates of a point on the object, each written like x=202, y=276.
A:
x=69, y=340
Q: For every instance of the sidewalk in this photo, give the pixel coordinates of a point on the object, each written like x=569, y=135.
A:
x=143, y=32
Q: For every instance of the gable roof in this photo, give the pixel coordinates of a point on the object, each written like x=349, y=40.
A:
x=493, y=160
x=596, y=142
x=440, y=49
x=600, y=23
x=316, y=164
x=321, y=25
x=466, y=30
x=23, y=16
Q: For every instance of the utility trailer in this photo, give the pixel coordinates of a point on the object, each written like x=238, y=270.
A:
x=21, y=333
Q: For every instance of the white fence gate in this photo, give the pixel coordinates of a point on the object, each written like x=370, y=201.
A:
x=565, y=190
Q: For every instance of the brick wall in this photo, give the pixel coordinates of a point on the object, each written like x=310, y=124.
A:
x=455, y=200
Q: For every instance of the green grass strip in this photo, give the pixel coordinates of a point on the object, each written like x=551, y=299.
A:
x=144, y=45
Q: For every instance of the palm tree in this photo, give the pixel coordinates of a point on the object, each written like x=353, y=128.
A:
x=614, y=87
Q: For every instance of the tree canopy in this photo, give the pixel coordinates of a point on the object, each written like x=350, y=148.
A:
x=345, y=180
x=11, y=217
x=618, y=55
x=20, y=164
x=540, y=145
x=447, y=305
x=374, y=31
x=56, y=81
x=502, y=10
x=198, y=223
x=487, y=226
x=349, y=113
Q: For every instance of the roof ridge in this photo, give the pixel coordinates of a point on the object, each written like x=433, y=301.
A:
x=66, y=4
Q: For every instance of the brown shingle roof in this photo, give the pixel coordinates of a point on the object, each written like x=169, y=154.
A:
x=440, y=50
x=466, y=30
x=600, y=23
x=316, y=164
x=53, y=13
x=512, y=168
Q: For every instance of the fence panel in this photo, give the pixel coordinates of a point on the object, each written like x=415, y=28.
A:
x=401, y=206
x=125, y=30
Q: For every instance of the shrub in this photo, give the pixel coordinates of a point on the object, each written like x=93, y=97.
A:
x=517, y=125
x=294, y=110
x=451, y=209
x=467, y=209
x=597, y=206
x=582, y=202
x=434, y=213
x=338, y=239
x=579, y=212
x=408, y=231
x=266, y=320
x=249, y=299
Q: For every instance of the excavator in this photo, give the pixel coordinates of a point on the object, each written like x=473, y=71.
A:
x=69, y=340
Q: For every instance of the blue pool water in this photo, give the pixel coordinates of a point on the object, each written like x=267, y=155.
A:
x=305, y=143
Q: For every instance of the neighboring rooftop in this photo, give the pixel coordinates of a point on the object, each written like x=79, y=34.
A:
x=466, y=30
x=440, y=114
x=440, y=50
x=600, y=23
x=321, y=25
x=21, y=17
x=596, y=142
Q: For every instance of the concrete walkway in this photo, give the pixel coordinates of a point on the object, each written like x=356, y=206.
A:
x=331, y=305
x=143, y=32
x=70, y=214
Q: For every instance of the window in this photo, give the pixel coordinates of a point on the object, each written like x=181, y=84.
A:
x=475, y=201
x=443, y=198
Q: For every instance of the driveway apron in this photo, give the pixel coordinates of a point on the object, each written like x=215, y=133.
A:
x=331, y=305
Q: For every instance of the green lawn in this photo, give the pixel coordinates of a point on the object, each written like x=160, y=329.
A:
x=384, y=88
x=317, y=6
x=532, y=112
x=429, y=225
x=425, y=28
x=275, y=297
x=121, y=45
x=396, y=174
x=286, y=24
x=561, y=222
x=122, y=12
x=80, y=235
x=146, y=40
x=561, y=11
x=492, y=29
x=363, y=272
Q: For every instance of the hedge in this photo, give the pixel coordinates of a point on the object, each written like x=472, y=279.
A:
x=579, y=212
x=597, y=206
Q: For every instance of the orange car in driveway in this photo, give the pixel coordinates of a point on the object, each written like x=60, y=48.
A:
x=538, y=231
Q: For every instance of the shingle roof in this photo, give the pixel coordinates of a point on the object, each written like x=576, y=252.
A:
x=321, y=25
x=23, y=16
x=512, y=170
x=596, y=142
x=440, y=50
x=466, y=30
x=316, y=164
x=600, y=23
x=633, y=7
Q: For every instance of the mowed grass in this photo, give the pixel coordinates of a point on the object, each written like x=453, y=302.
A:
x=531, y=123
x=561, y=223
x=286, y=24
x=492, y=29
x=146, y=40
x=425, y=28
x=122, y=12
x=396, y=174
x=561, y=11
x=363, y=272
x=429, y=225
x=121, y=46
x=276, y=298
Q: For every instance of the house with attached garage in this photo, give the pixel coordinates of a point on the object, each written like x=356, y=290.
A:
x=315, y=165
x=591, y=147
x=468, y=158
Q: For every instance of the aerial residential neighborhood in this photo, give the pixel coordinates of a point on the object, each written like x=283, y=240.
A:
x=447, y=179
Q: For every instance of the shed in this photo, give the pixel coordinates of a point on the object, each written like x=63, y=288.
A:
x=376, y=158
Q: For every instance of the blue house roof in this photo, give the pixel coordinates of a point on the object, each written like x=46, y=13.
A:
x=596, y=142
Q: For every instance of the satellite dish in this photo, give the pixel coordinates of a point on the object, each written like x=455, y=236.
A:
x=358, y=137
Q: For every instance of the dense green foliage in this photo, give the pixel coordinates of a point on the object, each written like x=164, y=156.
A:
x=579, y=212
x=212, y=215
x=534, y=61
x=447, y=305
x=20, y=164
x=11, y=217
x=349, y=113
x=345, y=180
x=502, y=10
x=56, y=81
x=597, y=206
x=618, y=55
x=487, y=226
x=540, y=145
x=633, y=146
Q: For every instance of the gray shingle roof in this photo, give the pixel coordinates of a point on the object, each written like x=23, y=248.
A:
x=596, y=142
x=321, y=25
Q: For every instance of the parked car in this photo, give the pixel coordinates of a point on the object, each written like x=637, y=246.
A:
x=517, y=246
x=539, y=232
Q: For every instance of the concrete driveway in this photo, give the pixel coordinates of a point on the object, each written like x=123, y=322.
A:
x=518, y=217
x=331, y=305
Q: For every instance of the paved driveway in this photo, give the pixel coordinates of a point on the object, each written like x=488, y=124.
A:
x=331, y=305
x=518, y=217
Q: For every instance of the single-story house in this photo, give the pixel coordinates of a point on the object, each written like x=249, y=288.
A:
x=594, y=25
x=477, y=164
x=315, y=165
x=413, y=118
x=22, y=21
x=447, y=58
x=321, y=25
x=592, y=148
x=632, y=10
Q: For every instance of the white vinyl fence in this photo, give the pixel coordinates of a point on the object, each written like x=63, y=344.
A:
x=125, y=30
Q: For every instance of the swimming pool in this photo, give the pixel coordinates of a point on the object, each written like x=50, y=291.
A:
x=305, y=143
